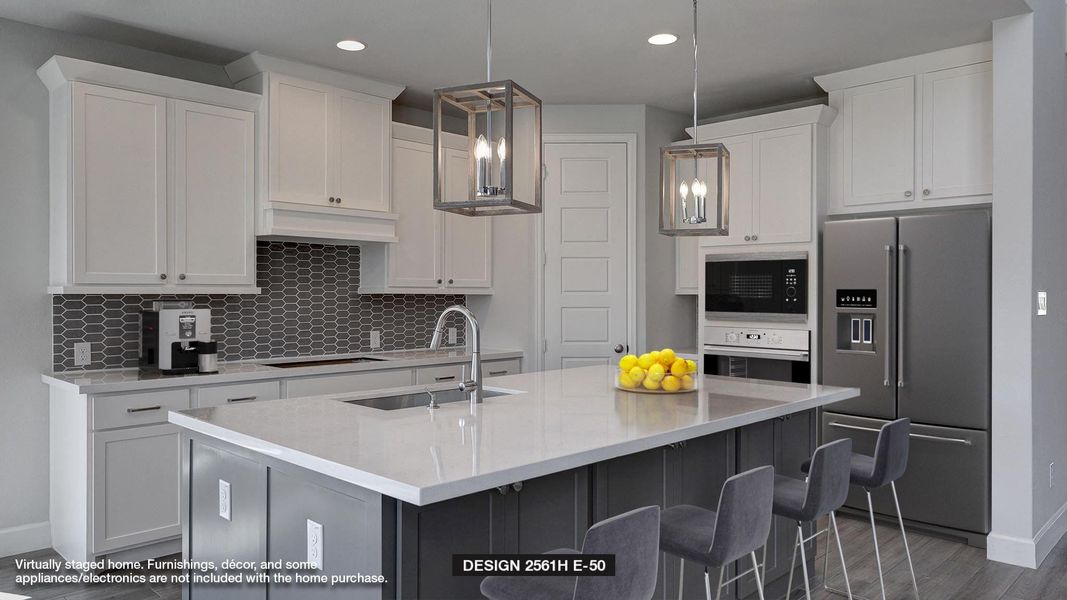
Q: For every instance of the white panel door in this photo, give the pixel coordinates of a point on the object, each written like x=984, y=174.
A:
x=741, y=193
x=958, y=132
x=362, y=130
x=586, y=268
x=119, y=147
x=213, y=194
x=415, y=260
x=299, y=141
x=783, y=185
x=468, y=240
x=879, y=142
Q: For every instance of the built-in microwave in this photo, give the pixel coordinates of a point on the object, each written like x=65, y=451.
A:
x=756, y=287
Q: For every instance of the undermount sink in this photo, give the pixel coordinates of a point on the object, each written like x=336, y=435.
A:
x=323, y=363
x=422, y=399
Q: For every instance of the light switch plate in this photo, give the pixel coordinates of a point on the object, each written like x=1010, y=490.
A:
x=375, y=338
x=452, y=335
x=224, y=499
x=315, y=544
x=83, y=354
x=1042, y=304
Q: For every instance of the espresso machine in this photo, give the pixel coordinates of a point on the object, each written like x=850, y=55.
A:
x=172, y=335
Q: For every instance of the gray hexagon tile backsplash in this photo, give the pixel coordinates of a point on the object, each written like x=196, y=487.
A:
x=309, y=307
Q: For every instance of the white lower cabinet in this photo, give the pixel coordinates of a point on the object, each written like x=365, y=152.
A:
x=136, y=486
x=348, y=382
x=221, y=395
x=686, y=265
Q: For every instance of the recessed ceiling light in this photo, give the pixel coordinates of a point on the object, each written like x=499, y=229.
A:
x=351, y=45
x=662, y=39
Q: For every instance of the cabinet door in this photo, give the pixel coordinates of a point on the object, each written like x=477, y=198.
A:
x=136, y=486
x=299, y=141
x=119, y=155
x=957, y=144
x=468, y=240
x=415, y=261
x=550, y=512
x=879, y=143
x=686, y=264
x=741, y=193
x=213, y=194
x=783, y=206
x=361, y=128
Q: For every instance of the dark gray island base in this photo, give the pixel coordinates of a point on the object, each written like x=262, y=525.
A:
x=366, y=532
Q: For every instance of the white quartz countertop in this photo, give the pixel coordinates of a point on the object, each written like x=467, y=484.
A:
x=127, y=380
x=557, y=420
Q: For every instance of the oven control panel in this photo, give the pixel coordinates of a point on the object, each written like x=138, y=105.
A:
x=785, y=339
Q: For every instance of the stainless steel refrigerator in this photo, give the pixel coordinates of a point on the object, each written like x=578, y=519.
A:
x=906, y=318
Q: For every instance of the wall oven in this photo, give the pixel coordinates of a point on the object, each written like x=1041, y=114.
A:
x=756, y=287
x=758, y=353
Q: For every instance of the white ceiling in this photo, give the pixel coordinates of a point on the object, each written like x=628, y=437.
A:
x=753, y=52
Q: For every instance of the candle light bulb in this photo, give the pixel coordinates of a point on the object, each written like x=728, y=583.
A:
x=700, y=189
x=481, y=148
x=502, y=150
x=683, y=190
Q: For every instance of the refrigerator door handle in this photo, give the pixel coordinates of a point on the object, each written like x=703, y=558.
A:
x=901, y=310
x=888, y=321
x=919, y=436
x=853, y=427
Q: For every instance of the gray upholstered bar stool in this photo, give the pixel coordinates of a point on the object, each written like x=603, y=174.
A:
x=714, y=539
x=633, y=537
x=824, y=491
x=888, y=464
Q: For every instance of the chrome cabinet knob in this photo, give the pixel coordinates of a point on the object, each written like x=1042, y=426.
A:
x=926, y=192
x=748, y=238
x=332, y=199
x=618, y=348
x=182, y=276
x=162, y=275
x=755, y=237
x=907, y=194
x=338, y=199
x=450, y=282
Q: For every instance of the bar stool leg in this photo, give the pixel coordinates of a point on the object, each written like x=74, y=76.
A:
x=804, y=561
x=904, y=536
x=755, y=569
x=841, y=553
x=681, y=577
x=792, y=565
x=874, y=534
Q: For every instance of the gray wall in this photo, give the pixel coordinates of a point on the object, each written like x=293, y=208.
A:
x=26, y=351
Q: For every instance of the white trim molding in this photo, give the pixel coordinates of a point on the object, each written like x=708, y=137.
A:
x=257, y=62
x=903, y=67
x=25, y=538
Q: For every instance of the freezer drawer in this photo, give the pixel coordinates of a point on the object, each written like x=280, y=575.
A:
x=947, y=481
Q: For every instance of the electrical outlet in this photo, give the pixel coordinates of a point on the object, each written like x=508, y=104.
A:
x=1051, y=471
x=375, y=338
x=83, y=354
x=224, y=499
x=315, y=544
x=1042, y=304
x=453, y=335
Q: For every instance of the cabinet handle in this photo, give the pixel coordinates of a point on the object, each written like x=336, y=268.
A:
x=926, y=192
x=338, y=199
x=331, y=199
x=143, y=409
x=450, y=282
x=907, y=194
x=748, y=238
x=439, y=281
x=755, y=237
x=504, y=372
x=182, y=276
x=245, y=399
x=517, y=486
x=163, y=276
x=444, y=378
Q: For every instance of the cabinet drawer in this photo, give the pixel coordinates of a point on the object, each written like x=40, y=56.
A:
x=441, y=374
x=220, y=395
x=350, y=382
x=498, y=368
x=124, y=410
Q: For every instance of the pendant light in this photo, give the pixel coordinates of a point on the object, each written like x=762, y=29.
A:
x=503, y=174
x=685, y=173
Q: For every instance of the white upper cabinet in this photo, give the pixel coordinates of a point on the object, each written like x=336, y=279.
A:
x=957, y=159
x=325, y=147
x=213, y=195
x=913, y=133
x=878, y=122
x=783, y=185
x=119, y=191
x=438, y=252
x=740, y=190
x=149, y=193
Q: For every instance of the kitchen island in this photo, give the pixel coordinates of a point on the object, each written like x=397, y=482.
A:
x=397, y=492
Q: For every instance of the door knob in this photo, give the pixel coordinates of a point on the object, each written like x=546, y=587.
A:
x=618, y=348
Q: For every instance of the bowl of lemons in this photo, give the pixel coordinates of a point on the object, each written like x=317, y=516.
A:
x=656, y=372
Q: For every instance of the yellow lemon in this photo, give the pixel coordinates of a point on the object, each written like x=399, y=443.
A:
x=637, y=374
x=666, y=357
x=679, y=368
x=645, y=361
x=627, y=362
x=671, y=383
x=691, y=365
x=687, y=382
x=654, y=355
x=626, y=381
x=656, y=372
x=650, y=384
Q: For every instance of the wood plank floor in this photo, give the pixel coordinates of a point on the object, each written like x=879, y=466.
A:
x=946, y=570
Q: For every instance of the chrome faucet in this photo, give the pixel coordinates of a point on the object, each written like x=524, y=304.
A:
x=472, y=386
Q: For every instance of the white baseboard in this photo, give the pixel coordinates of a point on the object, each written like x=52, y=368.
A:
x=1024, y=552
x=25, y=538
